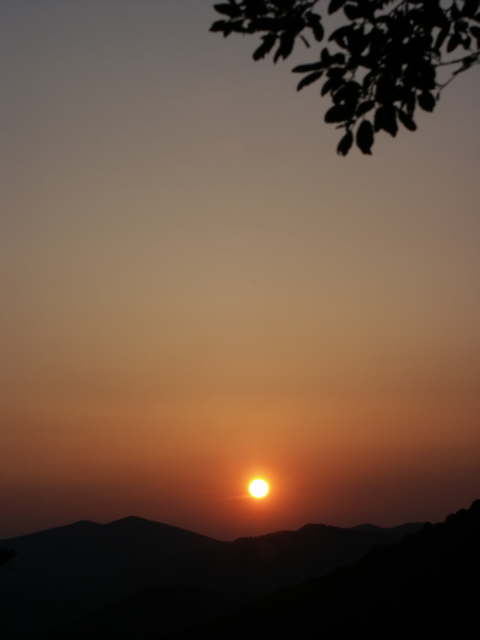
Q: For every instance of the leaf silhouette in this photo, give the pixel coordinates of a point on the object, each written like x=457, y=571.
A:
x=345, y=144
x=312, y=77
x=385, y=118
x=426, y=101
x=335, y=5
x=380, y=57
x=406, y=120
x=365, y=137
x=267, y=45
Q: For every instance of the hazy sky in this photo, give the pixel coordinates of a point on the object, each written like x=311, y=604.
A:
x=195, y=288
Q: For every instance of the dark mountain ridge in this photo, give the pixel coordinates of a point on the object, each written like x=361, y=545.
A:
x=70, y=572
x=134, y=525
x=426, y=584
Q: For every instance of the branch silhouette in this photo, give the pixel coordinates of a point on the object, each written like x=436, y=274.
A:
x=378, y=67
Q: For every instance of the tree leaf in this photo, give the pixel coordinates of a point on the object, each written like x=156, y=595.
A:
x=305, y=68
x=385, y=118
x=475, y=31
x=335, y=5
x=427, y=101
x=352, y=11
x=219, y=26
x=287, y=42
x=310, y=79
x=406, y=120
x=365, y=137
x=263, y=24
x=453, y=43
x=341, y=35
x=470, y=7
x=336, y=113
x=268, y=42
x=442, y=36
x=345, y=144
x=315, y=24
x=364, y=107
x=330, y=85
x=230, y=10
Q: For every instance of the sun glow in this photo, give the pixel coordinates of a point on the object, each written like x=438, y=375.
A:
x=258, y=488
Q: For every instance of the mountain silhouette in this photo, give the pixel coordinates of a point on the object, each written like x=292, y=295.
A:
x=6, y=555
x=427, y=584
x=70, y=571
x=283, y=558
x=90, y=576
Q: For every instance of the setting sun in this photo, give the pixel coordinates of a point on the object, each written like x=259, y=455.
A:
x=259, y=488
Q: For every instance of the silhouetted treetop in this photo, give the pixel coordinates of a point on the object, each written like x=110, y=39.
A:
x=386, y=58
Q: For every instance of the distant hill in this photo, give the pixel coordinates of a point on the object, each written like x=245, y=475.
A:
x=66, y=572
x=400, y=530
x=286, y=557
x=238, y=573
x=426, y=585
x=89, y=575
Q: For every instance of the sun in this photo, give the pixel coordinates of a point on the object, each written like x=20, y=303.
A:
x=258, y=488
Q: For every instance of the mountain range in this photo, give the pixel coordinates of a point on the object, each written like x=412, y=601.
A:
x=142, y=578
x=424, y=586
x=139, y=575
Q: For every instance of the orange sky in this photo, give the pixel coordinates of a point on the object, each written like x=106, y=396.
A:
x=195, y=288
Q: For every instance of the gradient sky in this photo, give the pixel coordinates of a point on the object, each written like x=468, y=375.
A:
x=195, y=288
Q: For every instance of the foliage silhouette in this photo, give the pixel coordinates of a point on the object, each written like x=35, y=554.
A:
x=386, y=59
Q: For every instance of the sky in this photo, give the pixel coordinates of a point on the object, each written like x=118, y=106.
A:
x=196, y=289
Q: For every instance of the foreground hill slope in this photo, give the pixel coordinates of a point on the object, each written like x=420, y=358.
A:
x=425, y=585
x=288, y=557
